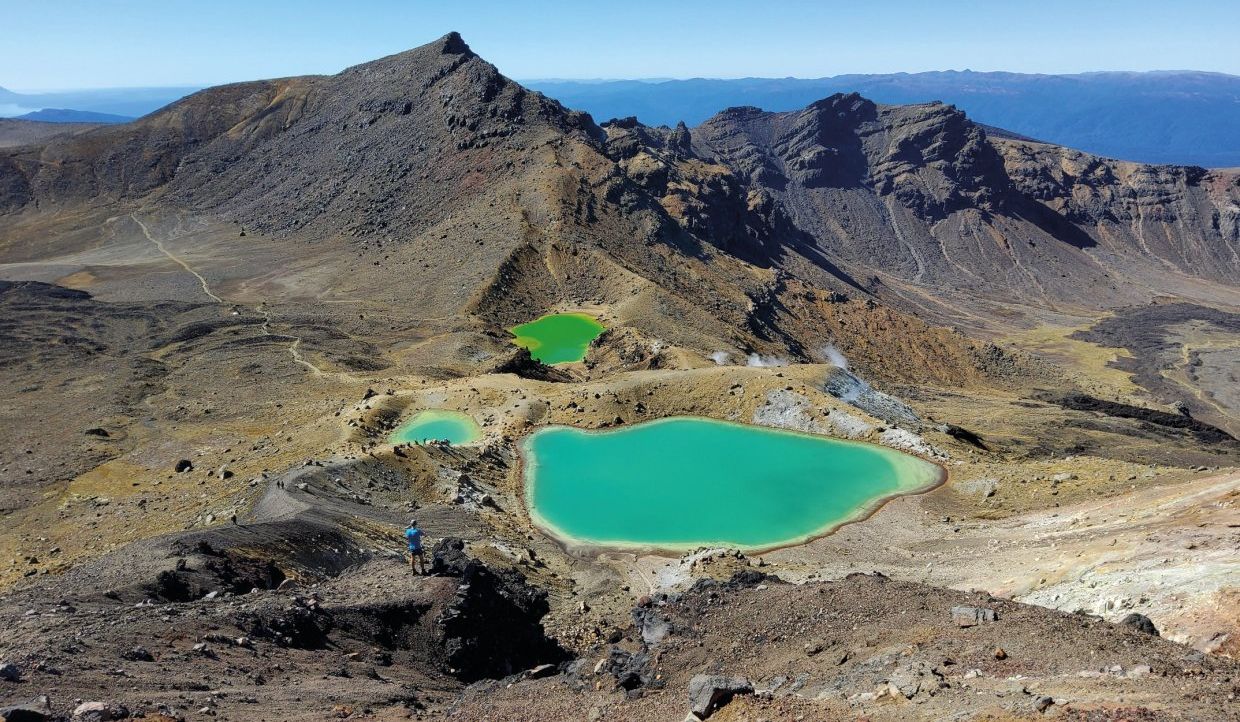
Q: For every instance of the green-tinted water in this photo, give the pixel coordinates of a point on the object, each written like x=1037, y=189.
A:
x=559, y=337
x=434, y=424
x=681, y=483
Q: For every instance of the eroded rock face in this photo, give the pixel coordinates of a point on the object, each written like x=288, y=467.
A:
x=847, y=386
x=493, y=625
x=1184, y=215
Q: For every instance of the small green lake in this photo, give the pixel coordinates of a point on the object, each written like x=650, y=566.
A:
x=436, y=424
x=558, y=337
x=681, y=483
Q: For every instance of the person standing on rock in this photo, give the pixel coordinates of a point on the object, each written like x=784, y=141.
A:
x=413, y=535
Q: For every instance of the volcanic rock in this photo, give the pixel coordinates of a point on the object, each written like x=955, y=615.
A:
x=709, y=692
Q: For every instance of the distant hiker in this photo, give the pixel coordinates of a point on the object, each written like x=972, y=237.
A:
x=413, y=535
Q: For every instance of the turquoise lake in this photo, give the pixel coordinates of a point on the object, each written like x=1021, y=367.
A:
x=680, y=483
x=436, y=424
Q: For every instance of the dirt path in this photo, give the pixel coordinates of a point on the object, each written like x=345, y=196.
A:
x=294, y=347
x=159, y=244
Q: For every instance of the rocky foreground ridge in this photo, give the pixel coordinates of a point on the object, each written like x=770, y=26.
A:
x=203, y=625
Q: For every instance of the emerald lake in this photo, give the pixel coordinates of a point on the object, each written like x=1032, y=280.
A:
x=680, y=483
x=435, y=424
x=558, y=337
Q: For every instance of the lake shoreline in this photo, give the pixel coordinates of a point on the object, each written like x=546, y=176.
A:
x=577, y=544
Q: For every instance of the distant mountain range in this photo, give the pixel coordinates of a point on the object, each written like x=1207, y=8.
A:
x=1181, y=117
x=1177, y=117
x=64, y=115
x=125, y=103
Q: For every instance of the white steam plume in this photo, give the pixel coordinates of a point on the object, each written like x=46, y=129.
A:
x=834, y=356
x=765, y=361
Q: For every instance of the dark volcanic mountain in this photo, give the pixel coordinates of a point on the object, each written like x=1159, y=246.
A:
x=844, y=194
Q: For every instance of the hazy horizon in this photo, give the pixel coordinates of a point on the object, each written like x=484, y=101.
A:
x=74, y=45
x=667, y=79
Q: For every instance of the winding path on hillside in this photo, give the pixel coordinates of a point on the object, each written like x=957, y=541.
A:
x=294, y=341
x=175, y=259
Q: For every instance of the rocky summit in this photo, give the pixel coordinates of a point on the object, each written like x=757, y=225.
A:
x=213, y=318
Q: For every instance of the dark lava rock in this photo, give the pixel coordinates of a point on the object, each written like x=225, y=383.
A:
x=960, y=433
x=448, y=558
x=520, y=362
x=138, y=654
x=1141, y=623
x=36, y=710
x=1199, y=429
x=184, y=465
x=199, y=569
x=744, y=579
x=493, y=626
x=301, y=625
x=22, y=713
x=9, y=672
x=709, y=692
x=631, y=670
x=651, y=623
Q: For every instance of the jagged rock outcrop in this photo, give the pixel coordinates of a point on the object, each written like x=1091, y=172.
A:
x=1183, y=216
x=493, y=625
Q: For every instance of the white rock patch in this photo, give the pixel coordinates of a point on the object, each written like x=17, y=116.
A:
x=788, y=410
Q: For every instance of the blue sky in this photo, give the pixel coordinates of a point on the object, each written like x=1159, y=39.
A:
x=62, y=44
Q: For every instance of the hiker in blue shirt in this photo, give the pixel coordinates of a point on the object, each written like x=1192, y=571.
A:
x=414, y=535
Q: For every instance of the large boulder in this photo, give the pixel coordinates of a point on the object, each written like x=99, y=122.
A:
x=1141, y=623
x=709, y=692
x=448, y=558
x=36, y=710
x=914, y=678
x=972, y=616
x=100, y=712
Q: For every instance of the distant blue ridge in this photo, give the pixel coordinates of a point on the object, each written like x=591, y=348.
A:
x=65, y=115
x=1179, y=117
